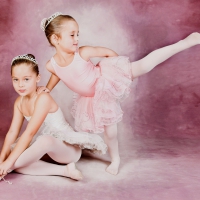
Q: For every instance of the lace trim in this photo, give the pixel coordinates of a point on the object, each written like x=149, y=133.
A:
x=83, y=140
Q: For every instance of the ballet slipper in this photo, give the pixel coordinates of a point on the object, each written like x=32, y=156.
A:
x=193, y=38
x=113, y=167
x=72, y=172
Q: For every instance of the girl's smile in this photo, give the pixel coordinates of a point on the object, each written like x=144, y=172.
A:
x=68, y=39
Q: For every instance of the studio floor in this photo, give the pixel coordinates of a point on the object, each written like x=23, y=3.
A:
x=152, y=168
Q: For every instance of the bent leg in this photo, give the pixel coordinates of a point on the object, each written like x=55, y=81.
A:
x=111, y=140
x=160, y=55
x=57, y=150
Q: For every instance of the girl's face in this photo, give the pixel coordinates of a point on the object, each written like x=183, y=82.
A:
x=24, y=79
x=68, y=39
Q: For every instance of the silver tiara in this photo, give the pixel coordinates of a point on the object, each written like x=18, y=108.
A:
x=26, y=57
x=45, y=22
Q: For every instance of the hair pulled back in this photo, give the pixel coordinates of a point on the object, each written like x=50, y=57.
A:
x=55, y=25
x=19, y=61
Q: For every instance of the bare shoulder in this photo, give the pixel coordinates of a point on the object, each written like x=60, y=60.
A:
x=45, y=102
x=49, y=67
x=44, y=97
x=18, y=102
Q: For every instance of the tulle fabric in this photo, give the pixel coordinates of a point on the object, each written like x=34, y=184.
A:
x=56, y=126
x=113, y=86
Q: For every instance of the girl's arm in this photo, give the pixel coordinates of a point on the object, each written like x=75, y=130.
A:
x=87, y=52
x=53, y=79
x=52, y=82
x=13, y=131
x=42, y=108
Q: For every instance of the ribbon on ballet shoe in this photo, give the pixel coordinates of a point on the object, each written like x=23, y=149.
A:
x=2, y=178
x=10, y=183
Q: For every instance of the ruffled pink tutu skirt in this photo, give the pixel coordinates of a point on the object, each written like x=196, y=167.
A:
x=113, y=86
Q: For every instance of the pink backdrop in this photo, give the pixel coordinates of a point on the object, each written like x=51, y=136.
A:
x=158, y=136
x=163, y=102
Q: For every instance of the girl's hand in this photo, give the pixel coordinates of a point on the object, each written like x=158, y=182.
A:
x=42, y=89
x=5, y=168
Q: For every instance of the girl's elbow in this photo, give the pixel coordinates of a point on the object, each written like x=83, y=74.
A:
x=113, y=53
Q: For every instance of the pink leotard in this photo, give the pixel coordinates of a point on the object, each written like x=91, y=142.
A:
x=80, y=75
x=99, y=90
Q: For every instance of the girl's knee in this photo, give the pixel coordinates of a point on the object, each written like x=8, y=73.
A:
x=111, y=135
x=77, y=156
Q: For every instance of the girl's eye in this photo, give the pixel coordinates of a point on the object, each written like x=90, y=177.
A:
x=15, y=80
x=72, y=35
x=26, y=79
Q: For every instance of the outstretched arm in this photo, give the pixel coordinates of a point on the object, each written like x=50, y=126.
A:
x=13, y=131
x=42, y=108
x=87, y=52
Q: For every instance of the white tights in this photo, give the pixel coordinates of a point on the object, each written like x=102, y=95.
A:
x=158, y=56
x=29, y=161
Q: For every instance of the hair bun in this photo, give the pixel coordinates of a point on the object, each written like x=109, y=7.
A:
x=31, y=56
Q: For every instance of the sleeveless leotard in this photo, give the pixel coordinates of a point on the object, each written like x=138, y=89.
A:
x=80, y=76
x=99, y=90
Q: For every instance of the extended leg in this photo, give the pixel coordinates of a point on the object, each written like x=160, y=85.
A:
x=112, y=142
x=160, y=55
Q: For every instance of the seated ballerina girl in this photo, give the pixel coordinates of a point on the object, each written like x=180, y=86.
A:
x=47, y=131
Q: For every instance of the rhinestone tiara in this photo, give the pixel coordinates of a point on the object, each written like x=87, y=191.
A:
x=26, y=57
x=46, y=21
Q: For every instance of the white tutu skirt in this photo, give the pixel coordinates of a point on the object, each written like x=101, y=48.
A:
x=56, y=126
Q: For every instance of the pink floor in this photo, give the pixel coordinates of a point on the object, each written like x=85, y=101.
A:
x=151, y=169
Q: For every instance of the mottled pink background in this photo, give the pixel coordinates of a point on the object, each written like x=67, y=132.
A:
x=164, y=104
x=165, y=101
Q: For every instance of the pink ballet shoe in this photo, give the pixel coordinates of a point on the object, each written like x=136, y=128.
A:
x=73, y=173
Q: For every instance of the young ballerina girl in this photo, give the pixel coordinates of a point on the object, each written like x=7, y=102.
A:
x=99, y=88
x=46, y=132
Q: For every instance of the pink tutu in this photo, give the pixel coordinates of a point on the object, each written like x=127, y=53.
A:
x=113, y=86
